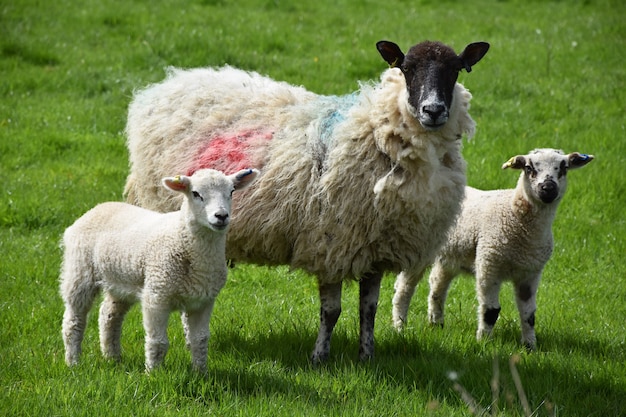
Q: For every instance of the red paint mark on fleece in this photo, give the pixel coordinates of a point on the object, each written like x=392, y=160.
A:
x=232, y=151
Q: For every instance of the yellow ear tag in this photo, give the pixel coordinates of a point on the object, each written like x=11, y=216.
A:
x=509, y=163
x=177, y=179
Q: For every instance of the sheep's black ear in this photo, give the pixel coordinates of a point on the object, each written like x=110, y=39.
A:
x=578, y=160
x=517, y=162
x=472, y=54
x=390, y=53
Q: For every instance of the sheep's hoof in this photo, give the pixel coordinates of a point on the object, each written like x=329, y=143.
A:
x=317, y=360
x=398, y=324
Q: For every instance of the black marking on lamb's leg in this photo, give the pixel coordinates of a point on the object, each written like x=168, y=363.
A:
x=491, y=316
x=330, y=310
x=530, y=345
x=369, y=290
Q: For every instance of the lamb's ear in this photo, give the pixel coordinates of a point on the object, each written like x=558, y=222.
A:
x=578, y=160
x=244, y=178
x=517, y=162
x=390, y=53
x=177, y=183
x=473, y=53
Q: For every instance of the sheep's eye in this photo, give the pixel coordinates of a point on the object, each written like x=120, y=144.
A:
x=530, y=171
x=197, y=195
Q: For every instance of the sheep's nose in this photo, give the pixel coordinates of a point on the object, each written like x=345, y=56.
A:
x=434, y=110
x=548, y=191
x=221, y=216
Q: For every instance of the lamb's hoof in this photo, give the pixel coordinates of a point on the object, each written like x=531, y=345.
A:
x=436, y=324
x=398, y=325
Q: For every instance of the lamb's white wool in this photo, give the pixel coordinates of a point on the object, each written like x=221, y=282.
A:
x=500, y=235
x=167, y=261
x=352, y=186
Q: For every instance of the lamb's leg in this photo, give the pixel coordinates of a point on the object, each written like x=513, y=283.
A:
x=526, y=298
x=197, y=335
x=404, y=288
x=487, y=292
x=439, y=281
x=78, y=296
x=369, y=290
x=155, y=325
x=112, y=313
x=330, y=309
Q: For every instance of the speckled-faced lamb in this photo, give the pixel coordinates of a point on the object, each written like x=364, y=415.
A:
x=167, y=261
x=352, y=185
x=500, y=235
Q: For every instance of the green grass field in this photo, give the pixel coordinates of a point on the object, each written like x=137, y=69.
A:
x=554, y=77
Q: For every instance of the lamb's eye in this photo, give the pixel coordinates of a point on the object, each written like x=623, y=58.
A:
x=530, y=171
x=197, y=195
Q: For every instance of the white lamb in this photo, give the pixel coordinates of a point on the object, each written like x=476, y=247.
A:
x=352, y=186
x=167, y=261
x=499, y=235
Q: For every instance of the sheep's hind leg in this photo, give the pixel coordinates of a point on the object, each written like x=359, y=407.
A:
x=369, y=291
x=439, y=282
x=78, y=297
x=404, y=288
x=112, y=313
x=197, y=333
x=330, y=309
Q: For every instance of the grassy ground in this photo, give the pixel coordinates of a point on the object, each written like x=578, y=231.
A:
x=554, y=78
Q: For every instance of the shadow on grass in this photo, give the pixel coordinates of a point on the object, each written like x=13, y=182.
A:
x=267, y=363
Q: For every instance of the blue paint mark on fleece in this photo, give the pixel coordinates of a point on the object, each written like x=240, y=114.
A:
x=338, y=106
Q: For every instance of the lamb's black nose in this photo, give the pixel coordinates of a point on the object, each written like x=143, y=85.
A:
x=222, y=216
x=548, y=191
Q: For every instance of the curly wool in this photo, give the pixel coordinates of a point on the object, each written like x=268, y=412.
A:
x=348, y=182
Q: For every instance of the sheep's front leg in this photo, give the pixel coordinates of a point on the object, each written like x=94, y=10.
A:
x=526, y=299
x=487, y=292
x=330, y=309
x=404, y=288
x=112, y=313
x=369, y=291
x=155, y=325
x=197, y=333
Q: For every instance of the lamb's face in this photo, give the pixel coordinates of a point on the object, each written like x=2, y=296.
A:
x=545, y=172
x=431, y=70
x=209, y=195
x=210, y=200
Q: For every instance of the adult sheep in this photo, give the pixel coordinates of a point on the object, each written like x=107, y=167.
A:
x=500, y=235
x=167, y=261
x=352, y=186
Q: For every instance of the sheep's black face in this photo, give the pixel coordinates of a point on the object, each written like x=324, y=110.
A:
x=431, y=70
